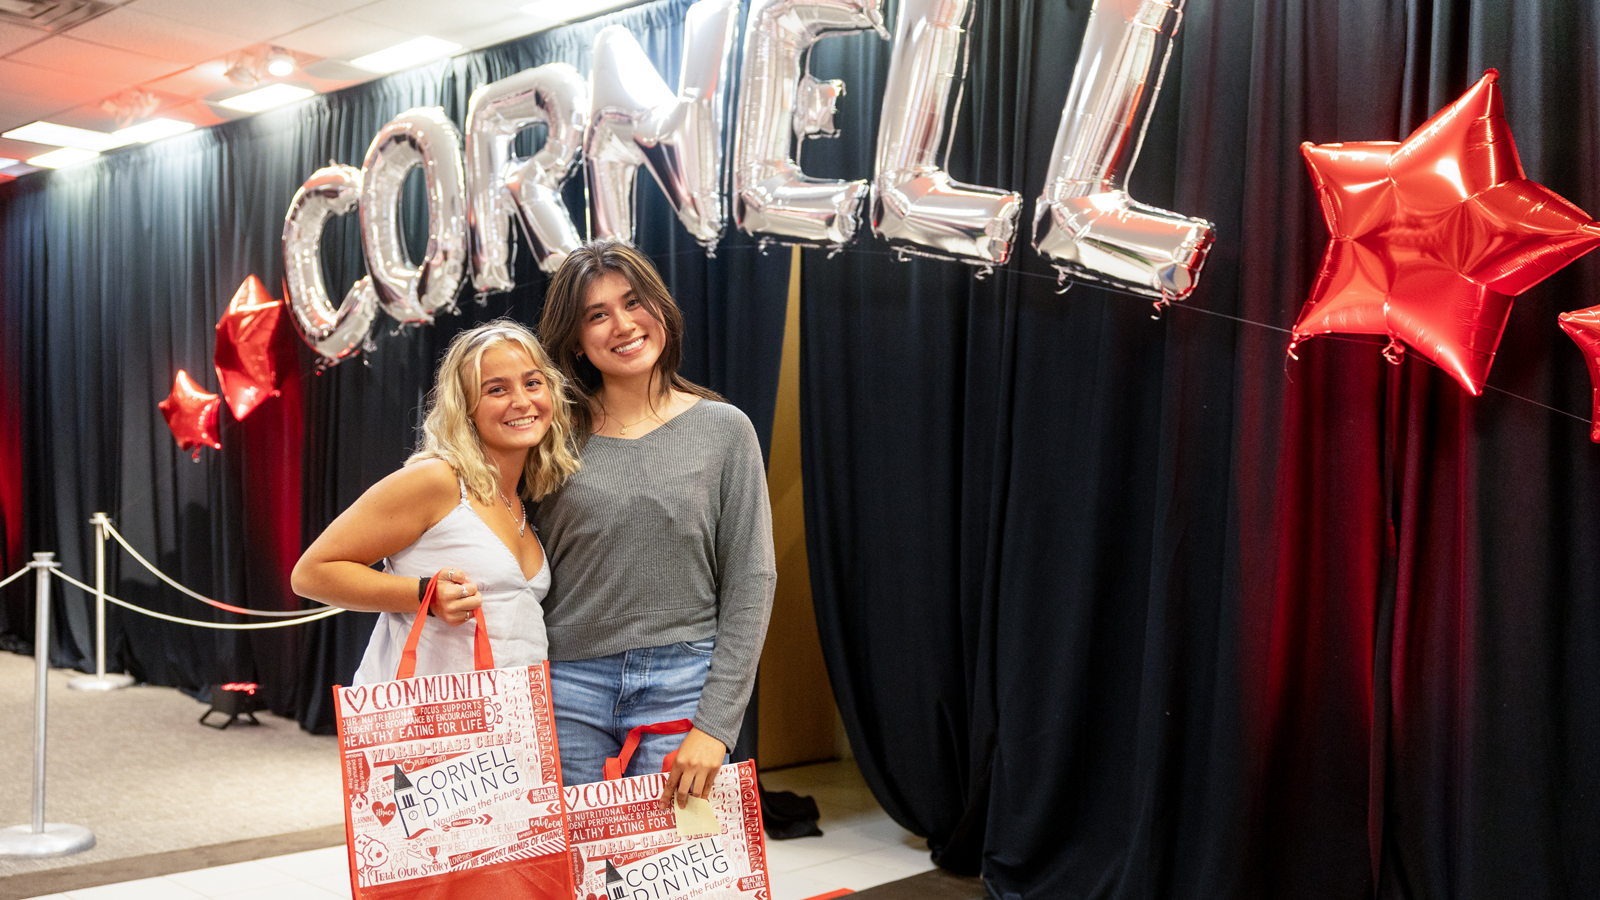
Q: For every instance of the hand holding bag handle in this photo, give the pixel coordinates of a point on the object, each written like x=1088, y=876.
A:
x=618, y=764
x=482, y=656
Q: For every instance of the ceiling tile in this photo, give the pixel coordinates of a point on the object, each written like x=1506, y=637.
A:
x=15, y=37
x=488, y=36
x=435, y=19
x=70, y=55
x=195, y=81
x=46, y=86
x=250, y=19
x=182, y=42
x=344, y=37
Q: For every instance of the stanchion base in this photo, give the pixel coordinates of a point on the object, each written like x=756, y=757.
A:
x=108, y=682
x=55, y=840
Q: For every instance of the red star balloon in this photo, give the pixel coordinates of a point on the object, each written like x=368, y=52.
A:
x=246, y=356
x=191, y=413
x=1583, y=326
x=1433, y=236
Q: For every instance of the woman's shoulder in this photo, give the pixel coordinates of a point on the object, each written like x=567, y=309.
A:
x=431, y=482
x=719, y=414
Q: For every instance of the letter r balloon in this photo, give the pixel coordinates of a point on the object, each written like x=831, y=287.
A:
x=504, y=188
x=1084, y=219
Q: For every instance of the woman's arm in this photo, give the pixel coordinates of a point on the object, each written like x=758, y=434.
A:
x=390, y=516
x=747, y=574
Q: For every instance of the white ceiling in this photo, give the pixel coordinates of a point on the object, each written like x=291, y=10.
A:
x=178, y=50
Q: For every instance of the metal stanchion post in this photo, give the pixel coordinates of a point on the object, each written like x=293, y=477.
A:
x=100, y=681
x=40, y=839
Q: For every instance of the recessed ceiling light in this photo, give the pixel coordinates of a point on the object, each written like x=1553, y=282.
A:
x=59, y=159
x=267, y=97
x=64, y=136
x=153, y=130
x=567, y=10
x=401, y=56
x=280, y=63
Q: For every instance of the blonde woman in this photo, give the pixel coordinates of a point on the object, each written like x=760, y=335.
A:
x=497, y=435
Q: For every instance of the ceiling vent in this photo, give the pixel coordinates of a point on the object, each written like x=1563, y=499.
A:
x=50, y=15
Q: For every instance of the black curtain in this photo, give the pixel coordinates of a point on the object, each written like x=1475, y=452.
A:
x=115, y=274
x=1122, y=608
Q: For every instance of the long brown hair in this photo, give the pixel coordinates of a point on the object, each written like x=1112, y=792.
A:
x=562, y=322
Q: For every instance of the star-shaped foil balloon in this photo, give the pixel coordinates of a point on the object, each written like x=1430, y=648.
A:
x=1433, y=236
x=1583, y=326
x=247, y=344
x=191, y=413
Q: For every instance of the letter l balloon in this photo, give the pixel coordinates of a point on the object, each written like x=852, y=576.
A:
x=1085, y=219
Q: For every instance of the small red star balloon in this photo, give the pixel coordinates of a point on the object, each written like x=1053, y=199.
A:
x=1583, y=326
x=1433, y=236
x=246, y=358
x=191, y=413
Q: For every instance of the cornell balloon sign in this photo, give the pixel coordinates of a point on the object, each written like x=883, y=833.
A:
x=624, y=115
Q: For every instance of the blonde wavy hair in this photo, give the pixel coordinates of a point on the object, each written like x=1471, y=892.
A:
x=448, y=432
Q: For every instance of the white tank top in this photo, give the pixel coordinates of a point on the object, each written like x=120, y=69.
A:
x=510, y=602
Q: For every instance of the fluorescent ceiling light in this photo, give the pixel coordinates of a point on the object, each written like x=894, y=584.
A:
x=267, y=97
x=66, y=156
x=153, y=130
x=65, y=136
x=567, y=10
x=401, y=56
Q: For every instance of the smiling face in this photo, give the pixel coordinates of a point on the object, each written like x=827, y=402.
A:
x=514, y=402
x=618, y=334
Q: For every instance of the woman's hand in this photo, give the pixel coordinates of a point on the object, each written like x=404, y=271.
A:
x=455, y=597
x=699, y=758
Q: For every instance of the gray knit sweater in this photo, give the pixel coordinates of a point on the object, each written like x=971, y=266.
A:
x=662, y=539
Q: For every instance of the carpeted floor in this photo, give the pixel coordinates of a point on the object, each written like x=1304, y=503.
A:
x=194, y=787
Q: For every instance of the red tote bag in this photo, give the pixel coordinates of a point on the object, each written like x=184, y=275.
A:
x=626, y=847
x=452, y=783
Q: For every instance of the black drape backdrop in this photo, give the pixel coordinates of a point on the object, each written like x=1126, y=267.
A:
x=1123, y=608
x=115, y=274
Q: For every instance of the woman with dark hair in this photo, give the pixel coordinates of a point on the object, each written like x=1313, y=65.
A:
x=497, y=428
x=661, y=543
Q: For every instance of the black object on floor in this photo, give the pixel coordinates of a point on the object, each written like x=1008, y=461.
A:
x=787, y=815
x=935, y=885
x=232, y=700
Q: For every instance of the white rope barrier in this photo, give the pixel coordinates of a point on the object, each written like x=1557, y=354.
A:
x=306, y=616
x=111, y=530
x=14, y=576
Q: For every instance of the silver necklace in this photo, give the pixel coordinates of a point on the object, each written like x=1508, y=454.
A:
x=522, y=526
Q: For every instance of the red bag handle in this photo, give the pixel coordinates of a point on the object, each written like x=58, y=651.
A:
x=482, y=656
x=618, y=764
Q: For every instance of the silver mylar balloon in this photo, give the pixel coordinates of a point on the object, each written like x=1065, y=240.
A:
x=503, y=187
x=417, y=137
x=334, y=335
x=779, y=105
x=1085, y=219
x=915, y=203
x=636, y=120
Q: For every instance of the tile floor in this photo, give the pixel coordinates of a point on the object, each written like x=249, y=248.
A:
x=860, y=847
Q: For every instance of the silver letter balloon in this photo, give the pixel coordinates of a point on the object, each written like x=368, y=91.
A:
x=1085, y=219
x=636, y=120
x=334, y=335
x=779, y=106
x=916, y=206
x=417, y=137
x=503, y=188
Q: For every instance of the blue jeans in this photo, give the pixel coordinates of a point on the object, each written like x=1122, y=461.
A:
x=598, y=701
